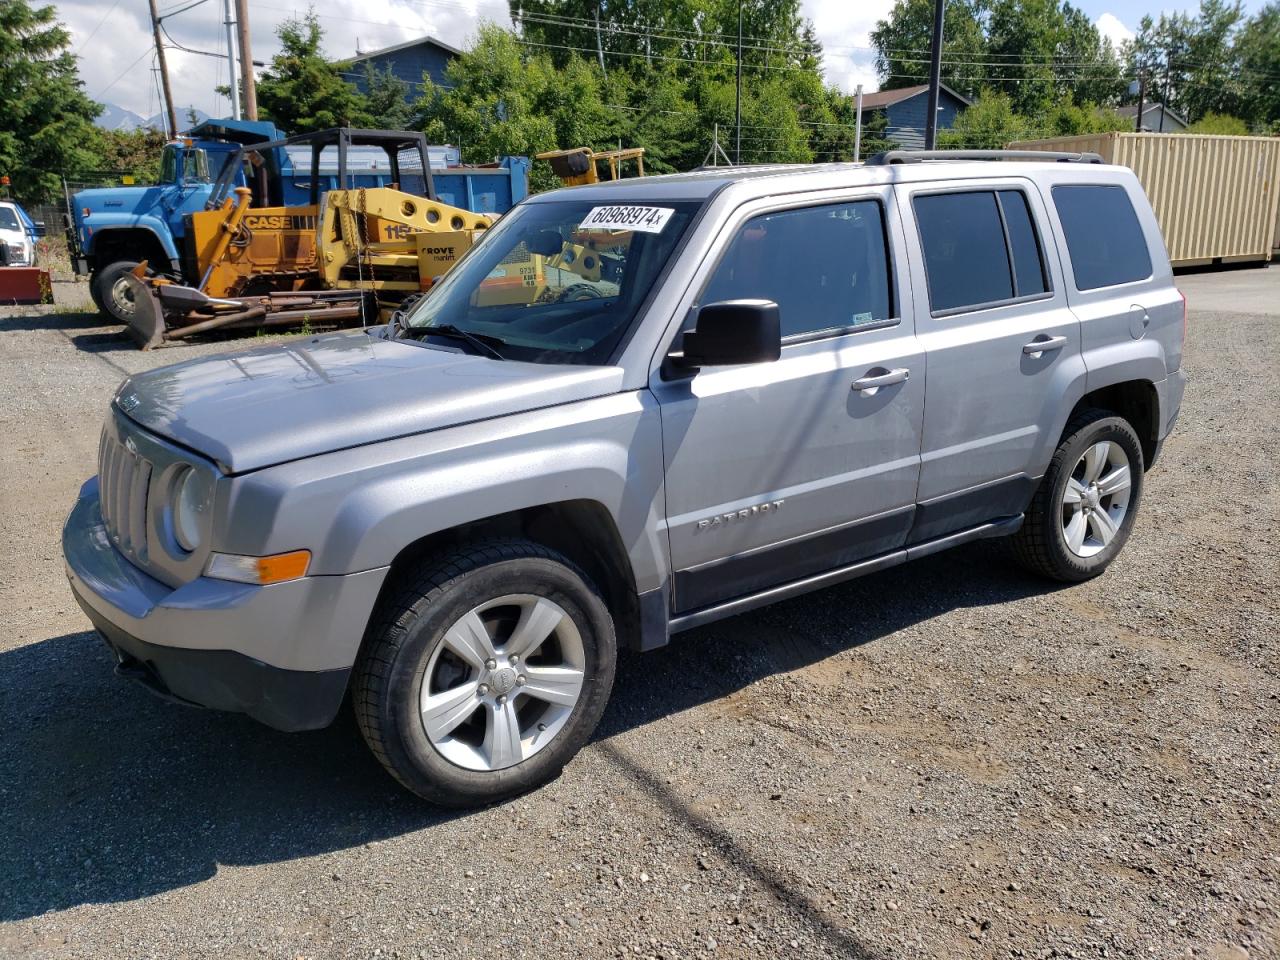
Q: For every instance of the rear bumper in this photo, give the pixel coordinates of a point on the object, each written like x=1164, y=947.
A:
x=1169, y=393
x=280, y=654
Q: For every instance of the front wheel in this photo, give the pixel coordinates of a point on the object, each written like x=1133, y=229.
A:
x=111, y=291
x=1084, y=509
x=485, y=672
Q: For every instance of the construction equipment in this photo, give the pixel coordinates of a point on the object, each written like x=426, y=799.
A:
x=349, y=254
x=579, y=165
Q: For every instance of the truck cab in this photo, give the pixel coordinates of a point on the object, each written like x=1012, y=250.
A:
x=113, y=229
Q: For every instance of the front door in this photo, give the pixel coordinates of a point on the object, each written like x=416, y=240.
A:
x=1003, y=349
x=777, y=471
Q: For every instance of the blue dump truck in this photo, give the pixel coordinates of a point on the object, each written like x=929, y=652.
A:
x=111, y=230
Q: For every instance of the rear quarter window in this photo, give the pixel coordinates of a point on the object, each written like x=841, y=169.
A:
x=1104, y=238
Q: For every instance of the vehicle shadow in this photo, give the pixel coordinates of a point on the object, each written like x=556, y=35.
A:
x=111, y=795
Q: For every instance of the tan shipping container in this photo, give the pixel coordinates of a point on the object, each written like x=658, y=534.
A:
x=1214, y=196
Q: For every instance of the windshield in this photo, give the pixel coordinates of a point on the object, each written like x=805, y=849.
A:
x=196, y=167
x=560, y=281
x=8, y=219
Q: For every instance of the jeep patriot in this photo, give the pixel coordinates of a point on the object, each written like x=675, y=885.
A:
x=630, y=409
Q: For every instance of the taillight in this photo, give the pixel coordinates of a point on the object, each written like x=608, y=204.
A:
x=85, y=212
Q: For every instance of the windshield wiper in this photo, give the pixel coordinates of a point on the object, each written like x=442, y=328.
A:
x=482, y=342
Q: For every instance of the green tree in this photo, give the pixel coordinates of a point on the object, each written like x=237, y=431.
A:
x=301, y=90
x=1068, y=119
x=990, y=124
x=903, y=41
x=1220, y=123
x=1258, y=45
x=386, y=99
x=46, y=124
x=135, y=153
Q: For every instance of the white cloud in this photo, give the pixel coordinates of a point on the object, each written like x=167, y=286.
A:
x=117, y=61
x=1110, y=26
x=844, y=29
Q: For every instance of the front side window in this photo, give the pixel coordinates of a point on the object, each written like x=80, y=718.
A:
x=826, y=267
x=169, y=164
x=980, y=248
x=1104, y=238
x=560, y=281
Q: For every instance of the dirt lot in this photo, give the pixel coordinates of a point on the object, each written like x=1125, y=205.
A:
x=949, y=759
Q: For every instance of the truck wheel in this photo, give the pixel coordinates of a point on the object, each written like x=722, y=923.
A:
x=484, y=671
x=111, y=293
x=1083, y=511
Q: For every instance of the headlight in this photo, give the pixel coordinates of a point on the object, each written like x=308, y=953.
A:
x=186, y=511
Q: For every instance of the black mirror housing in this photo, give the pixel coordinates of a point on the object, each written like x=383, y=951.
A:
x=734, y=331
x=547, y=243
x=38, y=228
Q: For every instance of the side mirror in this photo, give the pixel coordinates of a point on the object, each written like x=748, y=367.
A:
x=733, y=332
x=38, y=228
x=548, y=243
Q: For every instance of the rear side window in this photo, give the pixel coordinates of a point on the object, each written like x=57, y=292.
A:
x=826, y=267
x=980, y=248
x=1104, y=239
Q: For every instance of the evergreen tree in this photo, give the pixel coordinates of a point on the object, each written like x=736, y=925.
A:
x=46, y=124
x=302, y=91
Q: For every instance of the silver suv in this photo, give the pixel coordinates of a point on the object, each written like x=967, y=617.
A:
x=631, y=409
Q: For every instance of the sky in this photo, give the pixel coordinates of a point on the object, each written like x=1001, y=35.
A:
x=113, y=39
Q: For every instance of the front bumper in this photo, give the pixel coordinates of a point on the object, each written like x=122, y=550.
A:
x=281, y=654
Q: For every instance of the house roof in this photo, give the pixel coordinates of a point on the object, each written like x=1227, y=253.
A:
x=887, y=98
x=1131, y=111
x=420, y=41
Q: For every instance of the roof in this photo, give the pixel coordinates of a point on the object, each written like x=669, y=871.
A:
x=887, y=98
x=1131, y=111
x=775, y=179
x=420, y=41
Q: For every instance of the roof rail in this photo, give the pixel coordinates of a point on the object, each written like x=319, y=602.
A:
x=916, y=156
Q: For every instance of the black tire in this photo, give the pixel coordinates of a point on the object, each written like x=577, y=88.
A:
x=93, y=294
x=408, y=627
x=103, y=290
x=1041, y=545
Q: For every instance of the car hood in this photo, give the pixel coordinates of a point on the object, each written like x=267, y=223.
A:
x=261, y=407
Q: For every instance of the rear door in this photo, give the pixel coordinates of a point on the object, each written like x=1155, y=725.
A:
x=1002, y=346
x=777, y=471
x=1121, y=284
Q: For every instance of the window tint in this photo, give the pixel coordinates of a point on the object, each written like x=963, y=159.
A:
x=1028, y=266
x=825, y=267
x=1104, y=238
x=964, y=251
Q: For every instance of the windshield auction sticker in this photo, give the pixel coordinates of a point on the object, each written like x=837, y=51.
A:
x=642, y=219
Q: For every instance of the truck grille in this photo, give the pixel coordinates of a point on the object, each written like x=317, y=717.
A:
x=124, y=480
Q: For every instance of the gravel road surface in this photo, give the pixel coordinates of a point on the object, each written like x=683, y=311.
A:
x=950, y=759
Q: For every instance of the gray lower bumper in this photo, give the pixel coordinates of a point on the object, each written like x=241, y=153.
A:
x=280, y=653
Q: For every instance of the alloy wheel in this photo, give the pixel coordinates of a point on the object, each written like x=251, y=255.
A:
x=503, y=682
x=1095, y=500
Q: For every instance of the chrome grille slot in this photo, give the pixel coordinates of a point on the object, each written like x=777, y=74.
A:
x=124, y=481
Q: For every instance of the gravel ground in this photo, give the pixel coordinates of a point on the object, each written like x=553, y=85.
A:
x=948, y=759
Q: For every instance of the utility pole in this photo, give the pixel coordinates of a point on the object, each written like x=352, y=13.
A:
x=248, y=91
x=164, y=70
x=737, y=110
x=230, y=23
x=599, y=41
x=1164, y=97
x=857, y=129
x=1142, y=100
x=935, y=76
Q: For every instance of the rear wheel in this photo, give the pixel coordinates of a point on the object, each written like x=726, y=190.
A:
x=1084, y=509
x=112, y=293
x=485, y=672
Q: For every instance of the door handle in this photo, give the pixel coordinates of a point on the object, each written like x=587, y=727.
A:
x=1037, y=347
x=887, y=379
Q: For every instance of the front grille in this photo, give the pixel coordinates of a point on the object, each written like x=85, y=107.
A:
x=124, y=479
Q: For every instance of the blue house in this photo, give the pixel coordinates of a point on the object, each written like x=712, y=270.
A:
x=907, y=108
x=408, y=61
